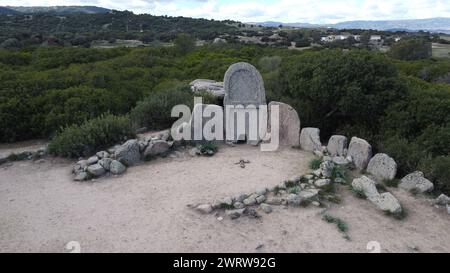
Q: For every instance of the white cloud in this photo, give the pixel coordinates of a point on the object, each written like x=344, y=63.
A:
x=312, y=11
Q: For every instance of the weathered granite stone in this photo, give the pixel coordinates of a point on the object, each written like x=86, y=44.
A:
x=105, y=163
x=310, y=139
x=360, y=151
x=387, y=202
x=294, y=200
x=244, y=85
x=382, y=167
x=266, y=208
x=442, y=200
x=235, y=213
x=157, y=147
x=81, y=176
x=322, y=183
x=116, y=167
x=96, y=170
x=103, y=154
x=92, y=160
x=208, y=86
x=337, y=145
x=289, y=124
x=366, y=185
x=416, y=181
x=204, y=208
x=128, y=153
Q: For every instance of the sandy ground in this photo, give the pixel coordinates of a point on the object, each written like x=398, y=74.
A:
x=145, y=210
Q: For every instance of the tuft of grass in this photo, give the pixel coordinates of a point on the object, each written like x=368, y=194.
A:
x=294, y=190
x=359, y=193
x=226, y=206
x=207, y=147
x=314, y=164
x=339, y=172
x=304, y=180
x=289, y=184
x=391, y=183
x=340, y=224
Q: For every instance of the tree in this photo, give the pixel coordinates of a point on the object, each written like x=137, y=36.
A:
x=412, y=49
x=184, y=43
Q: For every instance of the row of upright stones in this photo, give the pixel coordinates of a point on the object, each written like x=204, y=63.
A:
x=358, y=154
x=115, y=160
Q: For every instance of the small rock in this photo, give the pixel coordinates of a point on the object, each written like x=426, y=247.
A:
x=318, y=153
x=308, y=194
x=294, y=200
x=448, y=209
x=92, y=160
x=241, y=197
x=387, y=202
x=442, y=200
x=296, y=179
x=105, y=163
x=103, y=154
x=81, y=176
x=315, y=203
x=204, y=208
x=194, y=152
x=273, y=200
x=262, y=191
x=260, y=199
x=250, y=201
x=340, y=161
x=366, y=185
x=238, y=205
x=322, y=182
x=234, y=214
x=251, y=212
x=266, y=208
x=96, y=170
x=116, y=167
x=157, y=147
x=227, y=201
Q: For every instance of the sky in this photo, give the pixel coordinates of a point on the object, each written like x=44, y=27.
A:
x=287, y=11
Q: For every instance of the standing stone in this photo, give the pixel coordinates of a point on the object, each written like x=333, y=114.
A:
x=310, y=139
x=244, y=87
x=128, y=153
x=387, y=202
x=289, y=124
x=382, y=167
x=337, y=145
x=416, y=181
x=360, y=151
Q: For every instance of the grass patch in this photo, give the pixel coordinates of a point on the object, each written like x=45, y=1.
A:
x=391, y=183
x=314, y=164
x=226, y=206
x=358, y=193
x=340, y=224
x=208, y=148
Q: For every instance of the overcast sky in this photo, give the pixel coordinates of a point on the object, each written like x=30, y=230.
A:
x=289, y=11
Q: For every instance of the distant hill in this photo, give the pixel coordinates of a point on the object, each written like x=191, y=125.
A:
x=4, y=10
x=432, y=25
x=60, y=9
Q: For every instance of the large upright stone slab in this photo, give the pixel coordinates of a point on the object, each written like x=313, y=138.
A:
x=244, y=86
x=310, y=139
x=337, y=146
x=360, y=152
x=289, y=124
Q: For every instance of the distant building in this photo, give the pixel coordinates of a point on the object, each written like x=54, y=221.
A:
x=376, y=40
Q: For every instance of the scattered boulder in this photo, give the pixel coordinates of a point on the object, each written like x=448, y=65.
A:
x=241, y=197
x=81, y=176
x=417, y=182
x=326, y=168
x=194, y=151
x=116, y=167
x=360, y=152
x=442, y=200
x=387, y=202
x=308, y=194
x=340, y=161
x=103, y=154
x=366, y=185
x=260, y=199
x=294, y=200
x=128, y=153
x=322, y=183
x=238, y=205
x=310, y=139
x=211, y=87
x=266, y=208
x=289, y=124
x=337, y=145
x=157, y=147
x=274, y=200
x=92, y=160
x=382, y=167
x=251, y=200
x=204, y=208
x=105, y=163
x=96, y=170
x=235, y=213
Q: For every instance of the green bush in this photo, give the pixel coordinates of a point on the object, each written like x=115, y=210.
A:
x=91, y=136
x=154, y=111
x=411, y=49
x=438, y=171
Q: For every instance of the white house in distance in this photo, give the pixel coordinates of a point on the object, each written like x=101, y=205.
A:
x=376, y=40
x=340, y=37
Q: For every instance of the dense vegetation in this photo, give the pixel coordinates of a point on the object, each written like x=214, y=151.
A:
x=92, y=98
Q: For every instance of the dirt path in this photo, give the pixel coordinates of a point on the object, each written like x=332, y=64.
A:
x=145, y=210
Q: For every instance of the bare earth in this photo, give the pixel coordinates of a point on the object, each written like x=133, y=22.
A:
x=145, y=210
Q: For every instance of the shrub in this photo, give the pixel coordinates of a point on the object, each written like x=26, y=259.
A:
x=91, y=136
x=314, y=164
x=154, y=111
x=412, y=49
x=438, y=170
